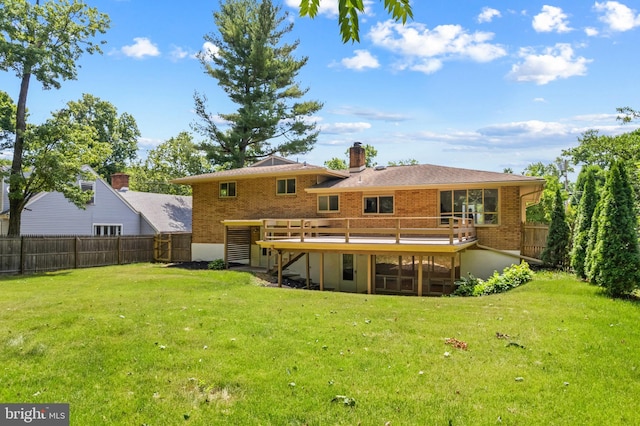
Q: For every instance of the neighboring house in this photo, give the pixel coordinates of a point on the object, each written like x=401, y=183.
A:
x=112, y=211
x=405, y=229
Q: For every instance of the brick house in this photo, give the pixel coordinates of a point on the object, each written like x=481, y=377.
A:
x=404, y=229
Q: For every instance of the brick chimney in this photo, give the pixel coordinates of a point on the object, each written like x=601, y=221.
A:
x=120, y=181
x=357, y=158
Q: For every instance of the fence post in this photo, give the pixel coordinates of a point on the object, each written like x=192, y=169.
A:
x=75, y=252
x=22, y=259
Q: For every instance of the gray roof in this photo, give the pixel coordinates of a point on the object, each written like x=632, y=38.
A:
x=263, y=170
x=423, y=175
x=165, y=212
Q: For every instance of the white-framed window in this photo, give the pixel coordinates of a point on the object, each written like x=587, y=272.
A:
x=481, y=205
x=87, y=186
x=286, y=186
x=378, y=204
x=328, y=203
x=107, y=230
x=227, y=189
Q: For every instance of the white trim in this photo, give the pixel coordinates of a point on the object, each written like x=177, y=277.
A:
x=94, y=225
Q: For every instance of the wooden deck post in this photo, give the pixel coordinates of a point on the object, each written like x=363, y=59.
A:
x=308, y=270
x=369, y=273
x=450, y=230
x=279, y=268
x=321, y=271
x=420, y=276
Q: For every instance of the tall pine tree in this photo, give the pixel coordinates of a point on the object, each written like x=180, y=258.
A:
x=555, y=253
x=616, y=256
x=257, y=71
x=588, y=200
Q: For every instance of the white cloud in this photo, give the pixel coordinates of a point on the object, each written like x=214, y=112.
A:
x=178, y=53
x=141, y=48
x=551, y=19
x=554, y=63
x=617, y=16
x=209, y=50
x=344, y=128
x=541, y=100
x=591, y=32
x=362, y=59
x=488, y=14
x=424, y=50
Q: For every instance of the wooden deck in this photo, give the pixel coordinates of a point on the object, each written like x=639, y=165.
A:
x=421, y=234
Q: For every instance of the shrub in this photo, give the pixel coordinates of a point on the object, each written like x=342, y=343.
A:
x=216, y=265
x=511, y=277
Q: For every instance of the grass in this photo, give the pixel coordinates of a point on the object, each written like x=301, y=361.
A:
x=147, y=344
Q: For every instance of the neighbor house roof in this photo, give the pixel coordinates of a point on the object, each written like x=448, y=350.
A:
x=263, y=170
x=423, y=175
x=165, y=212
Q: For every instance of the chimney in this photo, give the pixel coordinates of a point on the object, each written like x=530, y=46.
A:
x=356, y=158
x=120, y=181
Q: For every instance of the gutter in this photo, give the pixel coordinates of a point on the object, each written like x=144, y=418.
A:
x=506, y=253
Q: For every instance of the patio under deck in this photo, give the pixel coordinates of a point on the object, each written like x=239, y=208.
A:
x=415, y=236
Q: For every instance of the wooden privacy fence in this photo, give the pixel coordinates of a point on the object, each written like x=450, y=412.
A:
x=31, y=254
x=534, y=239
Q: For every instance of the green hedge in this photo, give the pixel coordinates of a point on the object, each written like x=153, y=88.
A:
x=511, y=277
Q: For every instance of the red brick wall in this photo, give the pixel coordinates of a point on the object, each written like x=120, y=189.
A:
x=257, y=199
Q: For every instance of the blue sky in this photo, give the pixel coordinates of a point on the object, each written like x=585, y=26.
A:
x=477, y=84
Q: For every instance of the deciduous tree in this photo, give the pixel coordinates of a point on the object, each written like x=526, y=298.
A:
x=349, y=11
x=119, y=131
x=257, y=70
x=43, y=41
x=177, y=157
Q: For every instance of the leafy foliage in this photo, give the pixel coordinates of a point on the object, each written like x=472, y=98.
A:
x=543, y=211
x=216, y=265
x=257, y=71
x=54, y=156
x=119, y=131
x=349, y=10
x=556, y=251
x=511, y=277
x=588, y=201
x=43, y=40
x=616, y=256
x=175, y=158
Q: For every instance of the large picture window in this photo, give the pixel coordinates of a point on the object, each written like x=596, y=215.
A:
x=286, y=186
x=481, y=205
x=328, y=203
x=378, y=204
x=227, y=189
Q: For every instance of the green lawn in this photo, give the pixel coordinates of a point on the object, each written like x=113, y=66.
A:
x=147, y=344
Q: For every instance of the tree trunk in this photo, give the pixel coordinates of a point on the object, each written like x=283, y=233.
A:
x=16, y=194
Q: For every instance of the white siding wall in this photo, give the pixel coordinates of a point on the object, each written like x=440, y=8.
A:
x=52, y=214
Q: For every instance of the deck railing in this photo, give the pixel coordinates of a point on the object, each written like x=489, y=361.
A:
x=345, y=230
